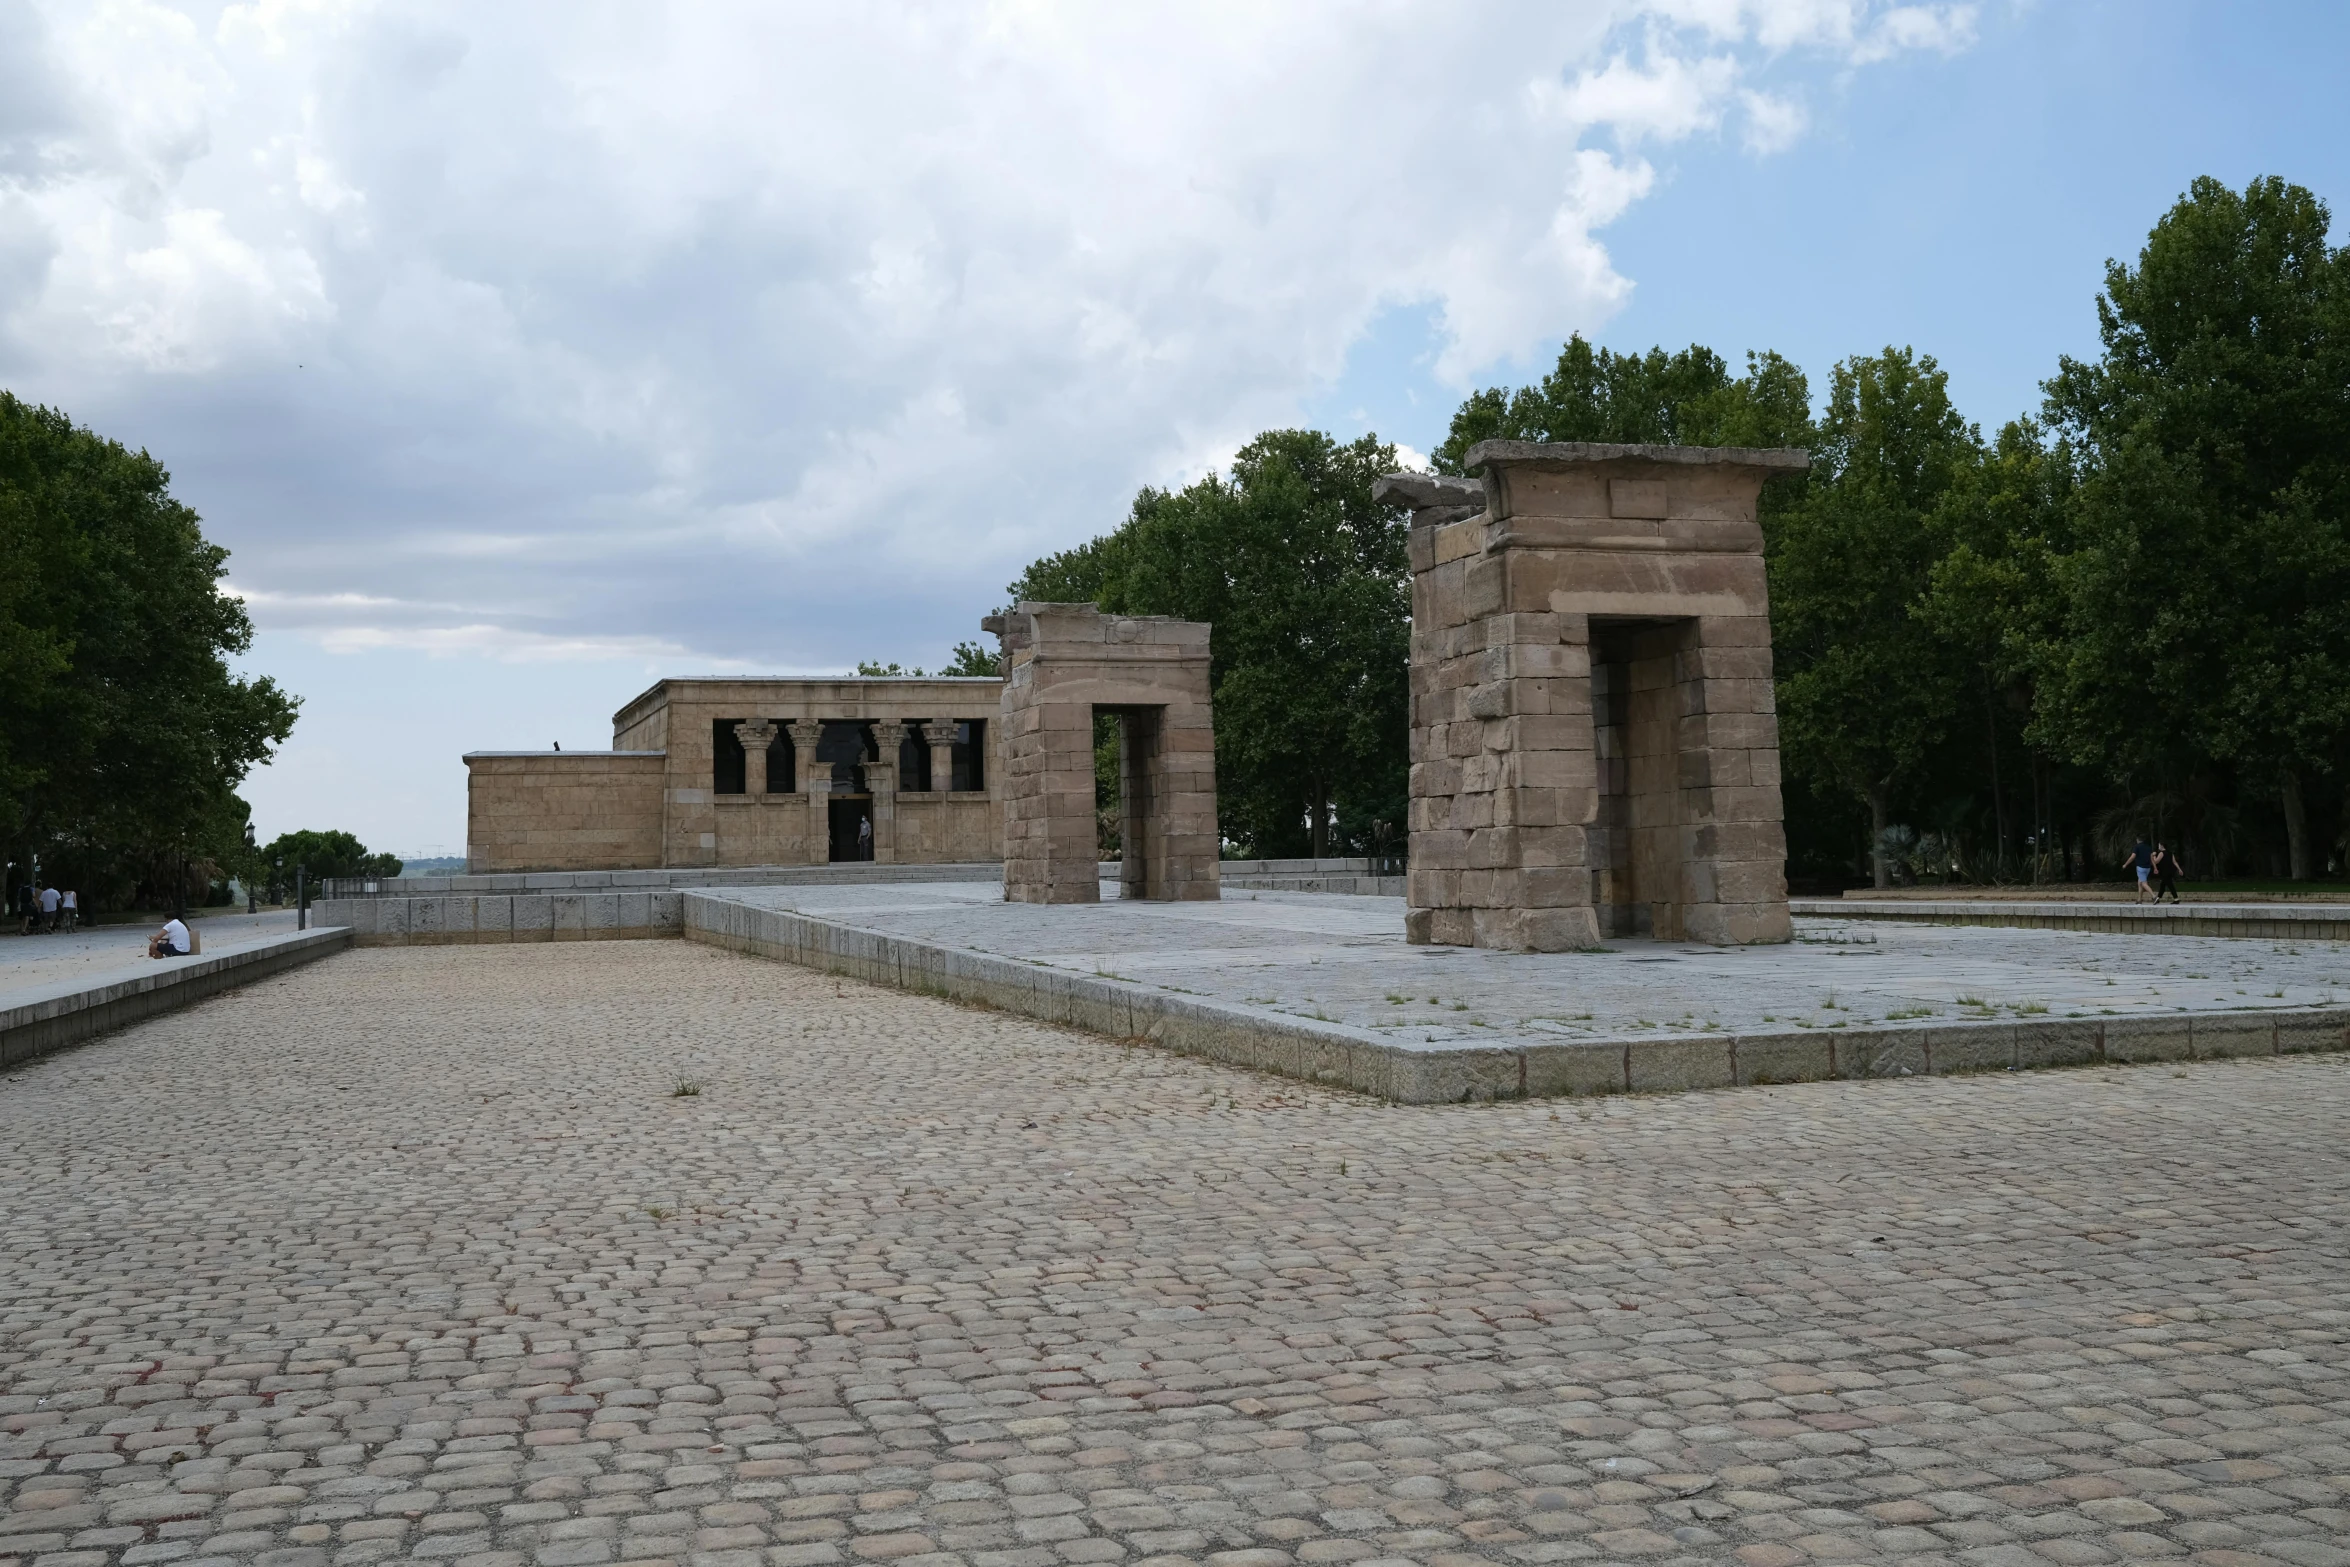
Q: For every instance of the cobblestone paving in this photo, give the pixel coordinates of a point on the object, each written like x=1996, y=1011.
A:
x=416, y=1254
x=1344, y=959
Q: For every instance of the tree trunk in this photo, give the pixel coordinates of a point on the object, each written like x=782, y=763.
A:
x=1881, y=872
x=1998, y=795
x=2296, y=827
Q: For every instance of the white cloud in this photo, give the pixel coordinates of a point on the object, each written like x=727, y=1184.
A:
x=503, y=643
x=751, y=332
x=1773, y=124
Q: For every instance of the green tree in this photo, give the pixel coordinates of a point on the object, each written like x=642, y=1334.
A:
x=1991, y=599
x=123, y=733
x=974, y=659
x=1687, y=398
x=1866, y=688
x=323, y=854
x=1304, y=578
x=2207, y=592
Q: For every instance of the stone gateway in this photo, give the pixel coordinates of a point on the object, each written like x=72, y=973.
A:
x=1595, y=749
x=1064, y=664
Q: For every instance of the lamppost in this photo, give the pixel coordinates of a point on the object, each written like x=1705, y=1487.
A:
x=252, y=899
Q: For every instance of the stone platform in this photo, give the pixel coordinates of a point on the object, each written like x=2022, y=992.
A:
x=2271, y=921
x=1325, y=988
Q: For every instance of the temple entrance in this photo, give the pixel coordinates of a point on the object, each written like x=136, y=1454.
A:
x=1140, y=832
x=1639, y=853
x=848, y=813
x=1064, y=666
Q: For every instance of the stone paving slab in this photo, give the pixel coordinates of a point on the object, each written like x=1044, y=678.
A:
x=1344, y=959
x=307, y=1275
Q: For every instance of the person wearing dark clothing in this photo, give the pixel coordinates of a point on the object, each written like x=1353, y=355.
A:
x=2166, y=873
x=2141, y=859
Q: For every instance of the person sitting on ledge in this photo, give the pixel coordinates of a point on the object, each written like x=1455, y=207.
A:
x=171, y=941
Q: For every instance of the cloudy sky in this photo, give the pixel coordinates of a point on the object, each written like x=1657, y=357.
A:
x=523, y=354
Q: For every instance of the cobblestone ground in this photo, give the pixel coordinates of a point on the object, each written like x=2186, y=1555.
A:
x=417, y=1254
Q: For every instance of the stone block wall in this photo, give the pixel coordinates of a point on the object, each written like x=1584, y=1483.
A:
x=563, y=810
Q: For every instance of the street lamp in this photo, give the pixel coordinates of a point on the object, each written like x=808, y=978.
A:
x=252, y=899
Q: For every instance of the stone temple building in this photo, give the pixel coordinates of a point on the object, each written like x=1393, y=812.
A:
x=755, y=772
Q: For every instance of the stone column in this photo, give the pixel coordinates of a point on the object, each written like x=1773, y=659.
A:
x=755, y=736
x=881, y=779
x=816, y=783
x=939, y=735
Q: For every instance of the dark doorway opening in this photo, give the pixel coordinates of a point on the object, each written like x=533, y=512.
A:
x=1141, y=830
x=848, y=814
x=1638, y=849
x=968, y=759
x=913, y=760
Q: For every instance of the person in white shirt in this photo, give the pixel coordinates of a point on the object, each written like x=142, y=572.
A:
x=71, y=908
x=171, y=941
x=49, y=907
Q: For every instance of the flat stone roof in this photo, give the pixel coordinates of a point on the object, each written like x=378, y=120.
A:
x=1790, y=459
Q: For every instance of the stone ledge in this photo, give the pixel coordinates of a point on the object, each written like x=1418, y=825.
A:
x=2267, y=921
x=1340, y=1056
x=497, y=919
x=67, y=1015
x=703, y=876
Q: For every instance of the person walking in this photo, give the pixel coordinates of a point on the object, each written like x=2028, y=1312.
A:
x=49, y=908
x=2141, y=859
x=2166, y=873
x=864, y=837
x=70, y=909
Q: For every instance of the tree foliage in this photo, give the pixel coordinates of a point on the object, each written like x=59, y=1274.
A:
x=1683, y=399
x=2205, y=595
x=321, y=854
x=123, y=732
x=1866, y=687
x=1304, y=579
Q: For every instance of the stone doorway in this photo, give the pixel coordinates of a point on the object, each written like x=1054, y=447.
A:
x=1141, y=831
x=1639, y=858
x=846, y=812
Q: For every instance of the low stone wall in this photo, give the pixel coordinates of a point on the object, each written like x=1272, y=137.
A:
x=2265, y=921
x=1360, y=886
x=440, y=911
x=484, y=919
x=69, y=1016
x=656, y=880
x=1339, y=1056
